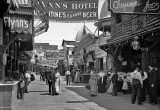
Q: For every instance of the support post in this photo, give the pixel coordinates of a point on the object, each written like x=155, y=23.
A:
x=2, y=66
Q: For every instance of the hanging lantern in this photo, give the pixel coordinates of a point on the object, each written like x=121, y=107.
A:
x=136, y=44
x=32, y=61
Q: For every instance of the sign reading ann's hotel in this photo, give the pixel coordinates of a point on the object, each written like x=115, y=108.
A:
x=135, y=6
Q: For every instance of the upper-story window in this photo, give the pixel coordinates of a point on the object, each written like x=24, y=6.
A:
x=72, y=52
x=119, y=18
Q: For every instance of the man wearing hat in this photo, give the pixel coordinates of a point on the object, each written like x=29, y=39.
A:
x=153, y=83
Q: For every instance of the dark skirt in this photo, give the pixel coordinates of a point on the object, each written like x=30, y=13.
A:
x=101, y=87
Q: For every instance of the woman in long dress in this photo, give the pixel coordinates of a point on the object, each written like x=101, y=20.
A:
x=102, y=82
x=93, y=83
x=57, y=83
x=110, y=89
x=77, y=76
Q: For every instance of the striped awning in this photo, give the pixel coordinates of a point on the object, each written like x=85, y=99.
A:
x=22, y=11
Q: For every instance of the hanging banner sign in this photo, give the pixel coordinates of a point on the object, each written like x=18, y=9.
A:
x=18, y=23
x=135, y=6
x=70, y=10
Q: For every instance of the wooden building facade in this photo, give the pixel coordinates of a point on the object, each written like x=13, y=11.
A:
x=125, y=27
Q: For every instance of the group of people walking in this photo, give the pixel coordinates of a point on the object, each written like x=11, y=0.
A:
x=74, y=76
x=52, y=78
x=141, y=82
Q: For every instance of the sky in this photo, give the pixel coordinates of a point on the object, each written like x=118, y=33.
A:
x=59, y=31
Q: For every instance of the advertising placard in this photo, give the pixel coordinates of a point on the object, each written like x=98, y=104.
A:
x=135, y=6
x=70, y=10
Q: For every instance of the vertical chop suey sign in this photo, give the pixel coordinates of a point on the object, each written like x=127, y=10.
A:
x=70, y=10
x=135, y=6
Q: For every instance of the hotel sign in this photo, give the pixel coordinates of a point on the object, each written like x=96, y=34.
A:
x=70, y=10
x=135, y=6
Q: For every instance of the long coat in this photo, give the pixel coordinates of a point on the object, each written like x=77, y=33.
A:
x=51, y=77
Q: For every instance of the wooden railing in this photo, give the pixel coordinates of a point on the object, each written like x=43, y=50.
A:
x=150, y=23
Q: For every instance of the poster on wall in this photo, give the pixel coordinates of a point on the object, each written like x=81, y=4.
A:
x=70, y=10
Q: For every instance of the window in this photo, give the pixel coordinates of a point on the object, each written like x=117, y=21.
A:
x=119, y=18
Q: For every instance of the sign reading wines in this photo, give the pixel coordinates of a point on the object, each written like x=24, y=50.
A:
x=70, y=10
x=135, y=6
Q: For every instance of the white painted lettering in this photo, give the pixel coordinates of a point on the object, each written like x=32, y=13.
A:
x=64, y=5
x=26, y=24
x=57, y=5
x=74, y=6
x=151, y=6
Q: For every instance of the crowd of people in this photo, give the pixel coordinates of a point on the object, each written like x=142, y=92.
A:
x=139, y=83
x=73, y=76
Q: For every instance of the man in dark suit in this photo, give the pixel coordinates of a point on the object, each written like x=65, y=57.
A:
x=114, y=80
x=51, y=82
x=153, y=83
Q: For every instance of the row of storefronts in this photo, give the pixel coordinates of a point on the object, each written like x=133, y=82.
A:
x=17, y=33
x=129, y=38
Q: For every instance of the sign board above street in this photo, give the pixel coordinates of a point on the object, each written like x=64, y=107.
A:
x=70, y=10
x=135, y=6
x=18, y=23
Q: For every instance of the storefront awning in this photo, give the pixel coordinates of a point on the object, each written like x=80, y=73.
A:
x=22, y=11
x=42, y=14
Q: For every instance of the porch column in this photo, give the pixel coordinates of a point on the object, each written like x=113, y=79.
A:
x=2, y=66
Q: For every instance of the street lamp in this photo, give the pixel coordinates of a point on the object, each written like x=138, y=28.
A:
x=136, y=44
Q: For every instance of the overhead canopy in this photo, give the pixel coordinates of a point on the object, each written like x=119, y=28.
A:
x=42, y=14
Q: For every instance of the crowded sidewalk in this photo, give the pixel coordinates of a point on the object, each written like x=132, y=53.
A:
x=39, y=99
x=106, y=100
